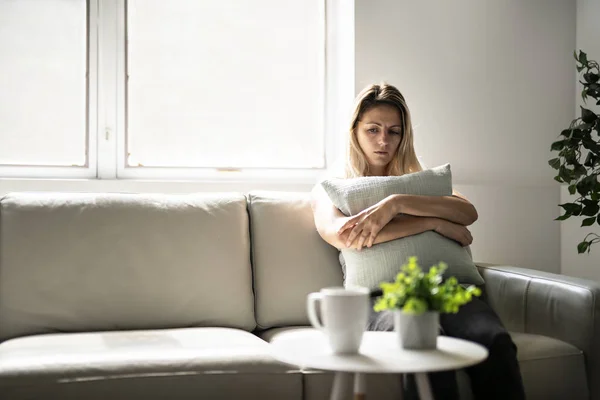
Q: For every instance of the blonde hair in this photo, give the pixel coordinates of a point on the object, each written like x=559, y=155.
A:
x=405, y=160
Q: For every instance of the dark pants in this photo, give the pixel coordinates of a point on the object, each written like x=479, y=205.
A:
x=498, y=377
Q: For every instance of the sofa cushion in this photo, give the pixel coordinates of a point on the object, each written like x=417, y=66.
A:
x=551, y=369
x=189, y=363
x=352, y=195
x=88, y=262
x=381, y=262
x=289, y=257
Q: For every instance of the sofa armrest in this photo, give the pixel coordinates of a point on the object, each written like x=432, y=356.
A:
x=553, y=305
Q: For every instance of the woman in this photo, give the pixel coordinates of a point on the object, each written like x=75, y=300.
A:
x=381, y=144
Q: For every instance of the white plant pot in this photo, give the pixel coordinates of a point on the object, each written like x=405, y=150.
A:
x=417, y=332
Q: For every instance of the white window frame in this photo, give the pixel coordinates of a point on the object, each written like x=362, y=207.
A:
x=106, y=105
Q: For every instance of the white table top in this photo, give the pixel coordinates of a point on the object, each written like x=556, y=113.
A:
x=379, y=353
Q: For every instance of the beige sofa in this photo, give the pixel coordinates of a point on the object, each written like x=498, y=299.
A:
x=135, y=296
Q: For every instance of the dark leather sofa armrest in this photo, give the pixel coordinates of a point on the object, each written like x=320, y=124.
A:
x=558, y=306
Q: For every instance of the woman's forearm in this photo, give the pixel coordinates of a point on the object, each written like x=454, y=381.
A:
x=405, y=225
x=450, y=208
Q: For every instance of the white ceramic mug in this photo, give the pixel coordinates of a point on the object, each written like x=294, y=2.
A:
x=344, y=314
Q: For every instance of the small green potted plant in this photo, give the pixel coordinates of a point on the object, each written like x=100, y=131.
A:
x=417, y=298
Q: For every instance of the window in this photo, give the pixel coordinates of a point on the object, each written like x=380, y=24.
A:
x=225, y=84
x=180, y=89
x=44, y=86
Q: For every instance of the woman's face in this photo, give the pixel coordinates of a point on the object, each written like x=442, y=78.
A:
x=379, y=133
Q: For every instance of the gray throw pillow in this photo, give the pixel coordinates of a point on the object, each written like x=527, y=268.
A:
x=381, y=262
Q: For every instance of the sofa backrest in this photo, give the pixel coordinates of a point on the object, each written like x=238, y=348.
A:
x=289, y=257
x=85, y=262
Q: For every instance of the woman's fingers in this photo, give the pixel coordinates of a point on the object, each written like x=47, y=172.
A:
x=468, y=240
x=369, y=241
x=366, y=237
x=362, y=239
x=349, y=224
x=354, y=233
x=364, y=230
x=360, y=232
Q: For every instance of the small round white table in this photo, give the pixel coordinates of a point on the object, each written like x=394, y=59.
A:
x=379, y=353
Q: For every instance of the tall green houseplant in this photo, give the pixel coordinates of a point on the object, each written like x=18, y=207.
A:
x=576, y=142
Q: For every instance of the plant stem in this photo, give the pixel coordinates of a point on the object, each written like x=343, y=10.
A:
x=596, y=238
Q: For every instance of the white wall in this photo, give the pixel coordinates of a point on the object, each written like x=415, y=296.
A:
x=486, y=83
x=582, y=265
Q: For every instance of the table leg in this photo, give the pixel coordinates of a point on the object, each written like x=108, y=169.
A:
x=360, y=386
x=401, y=397
x=423, y=386
x=339, y=381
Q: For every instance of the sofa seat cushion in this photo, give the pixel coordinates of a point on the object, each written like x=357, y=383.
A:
x=551, y=369
x=224, y=359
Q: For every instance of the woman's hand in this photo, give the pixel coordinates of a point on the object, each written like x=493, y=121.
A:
x=365, y=225
x=456, y=232
x=344, y=239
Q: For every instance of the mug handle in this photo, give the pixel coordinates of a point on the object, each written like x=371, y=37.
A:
x=311, y=303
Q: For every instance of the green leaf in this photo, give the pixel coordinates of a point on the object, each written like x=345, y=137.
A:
x=590, y=210
x=589, y=159
x=591, y=77
x=588, y=221
x=582, y=247
x=583, y=57
x=572, y=189
x=588, y=116
x=592, y=178
x=566, y=132
x=558, y=145
x=579, y=171
x=557, y=179
x=598, y=219
x=554, y=163
x=577, y=133
x=571, y=208
x=415, y=305
x=588, y=202
x=563, y=217
x=588, y=142
x=570, y=156
x=583, y=188
x=564, y=174
x=587, y=185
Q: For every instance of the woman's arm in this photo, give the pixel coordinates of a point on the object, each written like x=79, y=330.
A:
x=407, y=225
x=329, y=220
x=366, y=225
x=399, y=227
x=455, y=208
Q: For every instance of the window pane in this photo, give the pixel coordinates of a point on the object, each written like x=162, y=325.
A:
x=43, y=82
x=225, y=83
